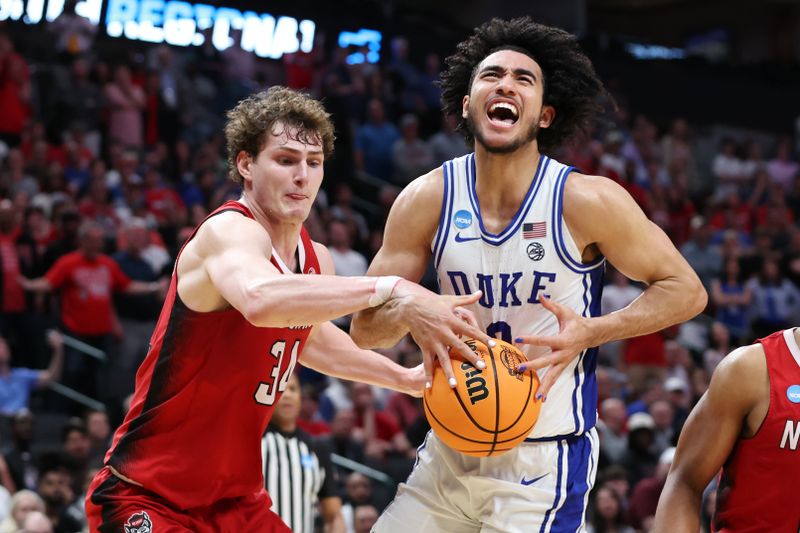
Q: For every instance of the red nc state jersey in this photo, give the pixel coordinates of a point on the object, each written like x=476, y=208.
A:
x=204, y=396
x=758, y=489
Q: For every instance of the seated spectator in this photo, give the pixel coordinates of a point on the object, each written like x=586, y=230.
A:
x=645, y=495
x=55, y=488
x=640, y=458
x=373, y=427
x=357, y=492
x=704, y=258
x=448, y=143
x=607, y=513
x=611, y=428
x=719, y=347
x=364, y=517
x=783, y=169
x=373, y=143
x=310, y=420
x=731, y=298
x=23, y=503
x=77, y=452
x=16, y=384
x=727, y=169
x=664, y=417
x=341, y=440
x=37, y=522
x=99, y=431
x=412, y=156
x=776, y=300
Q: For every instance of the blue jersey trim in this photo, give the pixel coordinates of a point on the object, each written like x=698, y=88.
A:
x=558, y=229
x=570, y=516
x=589, y=387
x=442, y=214
x=557, y=499
x=448, y=187
x=519, y=216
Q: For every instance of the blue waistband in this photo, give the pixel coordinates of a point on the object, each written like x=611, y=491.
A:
x=567, y=437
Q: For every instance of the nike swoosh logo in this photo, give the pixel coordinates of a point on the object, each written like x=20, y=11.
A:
x=459, y=238
x=531, y=481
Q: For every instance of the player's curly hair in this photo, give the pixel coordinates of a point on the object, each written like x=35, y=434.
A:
x=252, y=120
x=571, y=85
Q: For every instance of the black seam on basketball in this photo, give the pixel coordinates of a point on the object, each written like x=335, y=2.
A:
x=496, y=399
x=503, y=441
x=524, y=407
x=469, y=415
x=430, y=411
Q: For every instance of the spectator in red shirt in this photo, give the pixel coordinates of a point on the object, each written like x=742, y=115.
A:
x=15, y=92
x=86, y=280
x=12, y=296
x=377, y=430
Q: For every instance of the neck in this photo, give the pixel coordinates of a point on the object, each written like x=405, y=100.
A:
x=283, y=234
x=286, y=426
x=502, y=180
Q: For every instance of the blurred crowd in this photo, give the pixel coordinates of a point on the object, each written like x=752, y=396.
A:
x=116, y=157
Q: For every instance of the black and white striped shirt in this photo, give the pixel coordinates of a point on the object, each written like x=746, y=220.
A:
x=297, y=473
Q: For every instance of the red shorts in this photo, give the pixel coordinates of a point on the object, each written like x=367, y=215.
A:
x=114, y=506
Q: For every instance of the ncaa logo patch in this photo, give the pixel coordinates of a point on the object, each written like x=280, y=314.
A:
x=793, y=393
x=462, y=219
x=535, y=251
x=139, y=523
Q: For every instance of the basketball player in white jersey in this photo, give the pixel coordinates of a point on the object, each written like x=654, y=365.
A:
x=533, y=234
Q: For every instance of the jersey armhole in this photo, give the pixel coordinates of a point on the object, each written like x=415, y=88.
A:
x=443, y=230
x=559, y=237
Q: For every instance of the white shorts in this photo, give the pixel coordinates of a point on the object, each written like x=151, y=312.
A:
x=536, y=487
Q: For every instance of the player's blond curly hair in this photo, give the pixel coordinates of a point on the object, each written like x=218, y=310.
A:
x=252, y=120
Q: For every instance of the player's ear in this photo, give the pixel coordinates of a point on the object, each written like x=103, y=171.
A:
x=243, y=162
x=465, y=106
x=547, y=117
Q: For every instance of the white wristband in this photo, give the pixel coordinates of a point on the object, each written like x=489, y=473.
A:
x=384, y=287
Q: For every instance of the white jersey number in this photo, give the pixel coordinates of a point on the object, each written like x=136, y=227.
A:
x=266, y=392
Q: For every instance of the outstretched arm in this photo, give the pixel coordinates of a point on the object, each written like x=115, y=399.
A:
x=331, y=351
x=601, y=215
x=731, y=408
x=230, y=256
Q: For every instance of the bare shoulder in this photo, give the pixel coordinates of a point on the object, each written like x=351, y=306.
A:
x=326, y=265
x=584, y=191
x=426, y=192
x=221, y=233
x=416, y=211
x=741, y=377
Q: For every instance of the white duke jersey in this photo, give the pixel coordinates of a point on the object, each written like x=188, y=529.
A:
x=534, y=255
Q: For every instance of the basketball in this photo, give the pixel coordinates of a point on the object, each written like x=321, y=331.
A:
x=489, y=411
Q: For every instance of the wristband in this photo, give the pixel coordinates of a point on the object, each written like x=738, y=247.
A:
x=382, y=292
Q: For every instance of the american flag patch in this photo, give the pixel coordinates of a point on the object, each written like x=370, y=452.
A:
x=534, y=230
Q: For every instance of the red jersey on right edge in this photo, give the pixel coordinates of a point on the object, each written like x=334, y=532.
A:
x=204, y=395
x=758, y=488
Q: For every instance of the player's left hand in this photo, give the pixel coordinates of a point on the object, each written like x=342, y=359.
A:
x=574, y=336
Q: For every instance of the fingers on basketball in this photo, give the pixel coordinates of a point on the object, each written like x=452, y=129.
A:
x=490, y=410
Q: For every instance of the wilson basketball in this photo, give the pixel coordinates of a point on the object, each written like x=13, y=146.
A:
x=489, y=411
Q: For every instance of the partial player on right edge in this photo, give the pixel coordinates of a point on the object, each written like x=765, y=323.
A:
x=748, y=425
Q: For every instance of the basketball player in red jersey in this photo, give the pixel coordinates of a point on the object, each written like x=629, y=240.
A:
x=235, y=321
x=748, y=424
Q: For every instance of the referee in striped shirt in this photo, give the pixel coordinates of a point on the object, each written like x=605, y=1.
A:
x=298, y=472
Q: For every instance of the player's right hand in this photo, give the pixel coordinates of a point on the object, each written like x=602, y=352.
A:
x=437, y=323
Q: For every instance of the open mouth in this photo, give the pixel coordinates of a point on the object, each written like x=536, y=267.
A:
x=503, y=112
